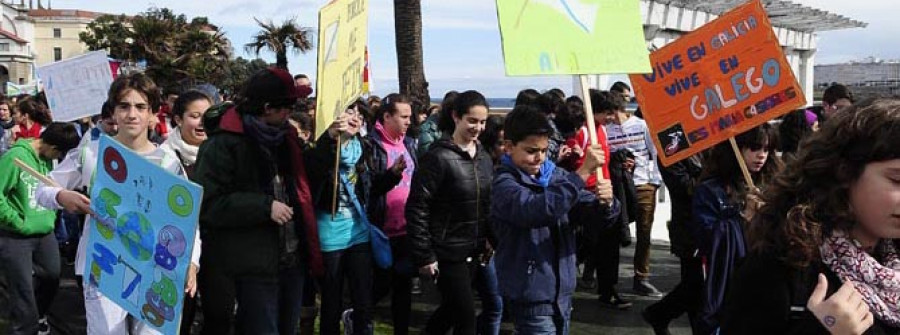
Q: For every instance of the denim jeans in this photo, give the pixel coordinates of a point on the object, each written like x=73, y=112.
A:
x=488, y=322
x=355, y=266
x=541, y=325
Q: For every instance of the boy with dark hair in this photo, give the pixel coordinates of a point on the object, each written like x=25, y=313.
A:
x=531, y=199
x=28, y=248
x=834, y=98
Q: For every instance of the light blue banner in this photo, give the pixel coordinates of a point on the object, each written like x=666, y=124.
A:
x=140, y=243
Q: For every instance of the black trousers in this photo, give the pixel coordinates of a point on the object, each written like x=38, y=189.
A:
x=457, y=309
x=354, y=265
x=398, y=281
x=606, y=258
x=685, y=297
x=30, y=267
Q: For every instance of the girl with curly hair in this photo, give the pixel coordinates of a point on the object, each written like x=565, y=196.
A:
x=823, y=248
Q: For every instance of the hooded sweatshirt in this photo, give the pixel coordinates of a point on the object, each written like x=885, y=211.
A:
x=19, y=210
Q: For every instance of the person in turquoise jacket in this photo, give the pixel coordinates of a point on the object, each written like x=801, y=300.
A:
x=28, y=249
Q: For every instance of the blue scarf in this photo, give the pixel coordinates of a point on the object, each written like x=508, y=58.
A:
x=266, y=134
x=543, y=176
x=351, y=153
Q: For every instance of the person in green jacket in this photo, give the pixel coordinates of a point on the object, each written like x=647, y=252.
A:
x=28, y=250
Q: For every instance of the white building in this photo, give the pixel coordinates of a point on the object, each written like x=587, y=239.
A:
x=16, y=44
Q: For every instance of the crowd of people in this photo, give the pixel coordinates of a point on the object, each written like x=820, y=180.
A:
x=514, y=210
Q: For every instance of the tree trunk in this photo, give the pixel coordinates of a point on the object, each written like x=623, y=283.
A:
x=281, y=60
x=408, y=36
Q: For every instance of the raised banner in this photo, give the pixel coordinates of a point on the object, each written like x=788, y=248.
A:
x=554, y=37
x=343, y=32
x=716, y=82
x=76, y=87
x=141, y=238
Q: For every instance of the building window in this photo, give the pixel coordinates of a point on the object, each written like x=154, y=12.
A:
x=57, y=33
x=57, y=54
x=4, y=46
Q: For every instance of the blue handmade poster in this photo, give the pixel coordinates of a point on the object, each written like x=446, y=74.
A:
x=142, y=235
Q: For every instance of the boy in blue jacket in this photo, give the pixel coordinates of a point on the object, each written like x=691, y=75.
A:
x=530, y=203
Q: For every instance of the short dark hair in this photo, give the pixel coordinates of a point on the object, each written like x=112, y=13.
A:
x=491, y=134
x=138, y=82
x=36, y=110
x=62, y=135
x=106, y=112
x=299, y=76
x=836, y=92
x=389, y=104
x=303, y=119
x=527, y=96
x=606, y=102
x=524, y=121
x=184, y=100
x=619, y=87
x=570, y=119
x=461, y=106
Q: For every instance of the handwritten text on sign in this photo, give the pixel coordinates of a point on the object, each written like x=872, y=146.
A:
x=716, y=82
x=343, y=33
x=142, y=236
x=77, y=87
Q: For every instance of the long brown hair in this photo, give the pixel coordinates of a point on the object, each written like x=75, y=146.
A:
x=810, y=199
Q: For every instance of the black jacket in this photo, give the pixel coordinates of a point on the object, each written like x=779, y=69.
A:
x=449, y=203
x=768, y=297
x=680, y=178
x=378, y=202
x=239, y=237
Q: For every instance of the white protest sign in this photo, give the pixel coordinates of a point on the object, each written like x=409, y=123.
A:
x=77, y=87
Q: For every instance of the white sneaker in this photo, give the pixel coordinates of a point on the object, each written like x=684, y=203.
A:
x=43, y=326
x=347, y=320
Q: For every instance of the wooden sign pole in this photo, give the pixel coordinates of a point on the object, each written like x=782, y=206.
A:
x=742, y=163
x=589, y=115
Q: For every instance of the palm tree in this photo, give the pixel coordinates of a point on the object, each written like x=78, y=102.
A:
x=279, y=39
x=408, y=39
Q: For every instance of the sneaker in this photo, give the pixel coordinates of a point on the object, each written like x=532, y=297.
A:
x=43, y=326
x=347, y=320
x=416, y=286
x=587, y=283
x=614, y=301
x=660, y=326
x=643, y=287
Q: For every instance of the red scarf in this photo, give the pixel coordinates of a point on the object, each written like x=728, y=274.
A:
x=33, y=132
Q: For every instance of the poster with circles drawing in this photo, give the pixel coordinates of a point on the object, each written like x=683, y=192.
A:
x=141, y=236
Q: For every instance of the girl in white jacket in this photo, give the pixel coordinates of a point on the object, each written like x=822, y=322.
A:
x=134, y=98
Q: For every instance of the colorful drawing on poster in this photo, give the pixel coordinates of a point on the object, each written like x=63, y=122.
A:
x=718, y=81
x=142, y=237
x=343, y=33
x=551, y=37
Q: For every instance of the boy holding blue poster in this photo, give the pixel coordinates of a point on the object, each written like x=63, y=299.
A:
x=134, y=98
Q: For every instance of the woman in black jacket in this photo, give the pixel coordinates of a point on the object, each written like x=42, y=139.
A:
x=447, y=212
x=823, y=249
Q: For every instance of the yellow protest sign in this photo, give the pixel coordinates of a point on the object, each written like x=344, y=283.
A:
x=343, y=31
x=551, y=37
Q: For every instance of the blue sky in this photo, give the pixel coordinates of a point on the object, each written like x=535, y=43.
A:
x=462, y=42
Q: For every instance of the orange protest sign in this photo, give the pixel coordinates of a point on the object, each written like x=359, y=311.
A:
x=716, y=82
